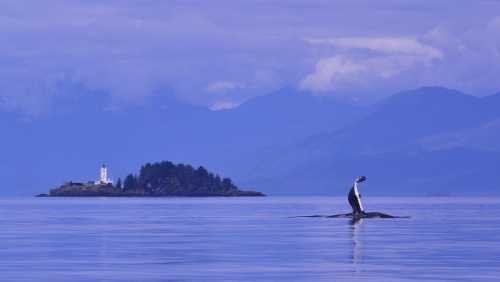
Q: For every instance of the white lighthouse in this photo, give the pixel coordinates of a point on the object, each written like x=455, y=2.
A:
x=104, y=179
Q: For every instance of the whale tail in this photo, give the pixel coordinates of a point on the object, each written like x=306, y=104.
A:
x=360, y=179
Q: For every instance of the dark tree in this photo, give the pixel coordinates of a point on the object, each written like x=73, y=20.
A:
x=119, y=183
x=130, y=183
x=166, y=178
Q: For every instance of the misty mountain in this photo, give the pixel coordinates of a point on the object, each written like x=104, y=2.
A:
x=428, y=141
x=484, y=137
x=493, y=100
x=406, y=145
x=83, y=131
x=402, y=119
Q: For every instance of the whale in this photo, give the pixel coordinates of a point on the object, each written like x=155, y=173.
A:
x=365, y=215
x=354, y=216
x=358, y=212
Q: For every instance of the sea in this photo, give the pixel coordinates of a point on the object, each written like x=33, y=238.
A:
x=247, y=239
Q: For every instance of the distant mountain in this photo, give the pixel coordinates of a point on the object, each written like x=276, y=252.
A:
x=403, y=145
x=428, y=141
x=82, y=132
x=483, y=137
x=271, y=122
x=493, y=100
x=402, y=119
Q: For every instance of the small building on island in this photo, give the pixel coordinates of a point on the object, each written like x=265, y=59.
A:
x=103, y=186
x=103, y=179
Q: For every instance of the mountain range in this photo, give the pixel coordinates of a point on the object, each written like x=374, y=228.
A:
x=427, y=141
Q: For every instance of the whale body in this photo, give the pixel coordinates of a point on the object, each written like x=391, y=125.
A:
x=365, y=215
x=357, y=216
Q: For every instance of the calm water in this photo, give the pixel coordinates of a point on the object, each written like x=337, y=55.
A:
x=247, y=239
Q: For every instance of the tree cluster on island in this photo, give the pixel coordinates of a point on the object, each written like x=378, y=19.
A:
x=161, y=179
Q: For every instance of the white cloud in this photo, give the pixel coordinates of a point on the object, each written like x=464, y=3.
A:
x=130, y=49
x=224, y=86
x=386, y=45
x=224, y=105
x=359, y=61
x=330, y=71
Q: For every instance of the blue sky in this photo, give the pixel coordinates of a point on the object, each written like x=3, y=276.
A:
x=221, y=53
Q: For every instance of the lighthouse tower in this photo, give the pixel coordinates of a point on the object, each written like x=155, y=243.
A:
x=104, y=179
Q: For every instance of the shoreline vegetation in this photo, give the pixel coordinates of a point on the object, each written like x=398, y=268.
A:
x=161, y=179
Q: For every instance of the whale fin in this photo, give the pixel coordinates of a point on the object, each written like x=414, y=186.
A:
x=354, y=216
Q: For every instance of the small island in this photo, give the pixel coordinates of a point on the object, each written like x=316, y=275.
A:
x=162, y=179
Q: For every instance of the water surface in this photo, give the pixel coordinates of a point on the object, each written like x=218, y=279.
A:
x=247, y=239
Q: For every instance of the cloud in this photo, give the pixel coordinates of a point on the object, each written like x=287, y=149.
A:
x=223, y=105
x=330, y=71
x=130, y=49
x=362, y=61
x=386, y=45
x=224, y=86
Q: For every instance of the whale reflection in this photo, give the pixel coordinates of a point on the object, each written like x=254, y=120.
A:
x=356, y=225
